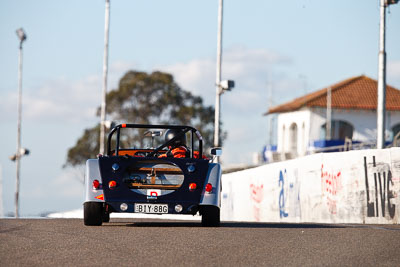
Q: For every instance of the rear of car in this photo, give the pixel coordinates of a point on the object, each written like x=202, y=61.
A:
x=140, y=181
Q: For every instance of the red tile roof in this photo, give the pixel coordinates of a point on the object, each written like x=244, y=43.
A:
x=354, y=93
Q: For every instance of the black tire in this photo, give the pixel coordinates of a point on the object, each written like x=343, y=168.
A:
x=106, y=217
x=210, y=216
x=93, y=213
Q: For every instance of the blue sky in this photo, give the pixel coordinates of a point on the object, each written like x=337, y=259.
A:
x=290, y=47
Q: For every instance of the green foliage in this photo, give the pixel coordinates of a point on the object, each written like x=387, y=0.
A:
x=147, y=99
x=86, y=147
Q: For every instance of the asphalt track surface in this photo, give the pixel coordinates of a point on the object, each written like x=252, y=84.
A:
x=136, y=242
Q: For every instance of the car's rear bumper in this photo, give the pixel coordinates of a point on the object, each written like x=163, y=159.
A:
x=173, y=207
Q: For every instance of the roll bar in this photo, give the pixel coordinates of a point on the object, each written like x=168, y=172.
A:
x=184, y=129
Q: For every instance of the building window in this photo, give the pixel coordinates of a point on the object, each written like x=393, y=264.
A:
x=339, y=130
x=396, y=130
x=293, y=138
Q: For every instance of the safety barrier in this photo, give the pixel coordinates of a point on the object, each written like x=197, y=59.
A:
x=345, y=187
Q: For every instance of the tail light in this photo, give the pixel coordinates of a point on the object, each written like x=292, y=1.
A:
x=96, y=184
x=192, y=186
x=209, y=188
x=112, y=184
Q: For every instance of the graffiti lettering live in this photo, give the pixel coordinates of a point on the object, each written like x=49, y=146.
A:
x=294, y=196
x=378, y=186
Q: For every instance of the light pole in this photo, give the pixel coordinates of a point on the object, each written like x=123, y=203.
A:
x=218, y=76
x=22, y=37
x=220, y=87
x=105, y=74
x=381, y=107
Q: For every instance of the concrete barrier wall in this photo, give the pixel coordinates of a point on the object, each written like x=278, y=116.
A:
x=347, y=187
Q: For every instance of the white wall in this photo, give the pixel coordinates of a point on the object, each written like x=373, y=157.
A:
x=343, y=187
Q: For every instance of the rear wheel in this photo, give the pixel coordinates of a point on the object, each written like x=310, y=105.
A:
x=106, y=217
x=210, y=216
x=93, y=213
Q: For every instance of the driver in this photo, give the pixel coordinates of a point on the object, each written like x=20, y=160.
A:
x=178, y=148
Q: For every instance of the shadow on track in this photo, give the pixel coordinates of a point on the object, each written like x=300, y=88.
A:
x=166, y=223
x=279, y=225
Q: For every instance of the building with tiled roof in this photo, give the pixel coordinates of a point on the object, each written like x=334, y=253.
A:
x=302, y=122
x=355, y=93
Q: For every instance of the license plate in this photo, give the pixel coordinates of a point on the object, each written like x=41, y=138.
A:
x=151, y=208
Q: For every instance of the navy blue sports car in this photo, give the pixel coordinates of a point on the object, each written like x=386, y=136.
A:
x=153, y=169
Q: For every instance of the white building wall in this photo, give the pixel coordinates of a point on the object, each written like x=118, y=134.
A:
x=285, y=120
x=363, y=121
x=318, y=118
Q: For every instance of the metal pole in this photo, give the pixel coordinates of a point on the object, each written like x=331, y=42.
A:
x=329, y=114
x=218, y=78
x=18, y=153
x=381, y=108
x=105, y=73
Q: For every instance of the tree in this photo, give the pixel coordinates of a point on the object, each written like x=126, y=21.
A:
x=147, y=99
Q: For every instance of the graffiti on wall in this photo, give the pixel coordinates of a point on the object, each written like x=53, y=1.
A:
x=378, y=183
x=282, y=195
x=289, y=195
x=331, y=185
x=257, y=196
